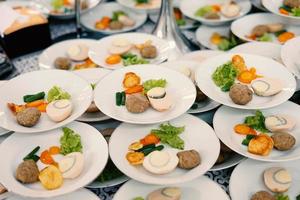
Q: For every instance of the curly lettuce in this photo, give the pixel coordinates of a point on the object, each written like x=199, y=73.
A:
x=152, y=83
x=70, y=142
x=56, y=93
x=224, y=76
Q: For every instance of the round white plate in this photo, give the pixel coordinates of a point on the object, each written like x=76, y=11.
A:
x=265, y=66
x=290, y=54
x=2, y=130
x=224, y=130
x=180, y=87
x=206, y=143
x=234, y=159
x=48, y=56
x=251, y=172
x=190, y=190
x=243, y=26
x=258, y=4
x=77, y=195
x=266, y=49
x=189, y=8
x=132, y=5
x=37, y=81
x=204, y=33
x=15, y=147
x=93, y=76
x=89, y=19
x=35, y=5
x=201, y=55
x=178, y=65
x=98, y=52
x=274, y=5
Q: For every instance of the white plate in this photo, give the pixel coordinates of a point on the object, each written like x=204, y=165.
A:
x=98, y=52
x=265, y=66
x=204, y=33
x=89, y=19
x=37, y=81
x=93, y=76
x=251, y=172
x=35, y=5
x=258, y=4
x=15, y=147
x=206, y=143
x=179, y=86
x=48, y=56
x=201, y=55
x=266, y=49
x=243, y=26
x=189, y=8
x=290, y=54
x=190, y=190
x=178, y=65
x=234, y=159
x=77, y=195
x=274, y=5
x=2, y=130
x=224, y=130
x=132, y=5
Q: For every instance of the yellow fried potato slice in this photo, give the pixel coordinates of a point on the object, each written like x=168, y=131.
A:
x=261, y=145
x=51, y=178
x=131, y=80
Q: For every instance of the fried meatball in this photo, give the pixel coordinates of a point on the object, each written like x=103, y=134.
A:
x=188, y=159
x=149, y=51
x=28, y=117
x=200, y=95
x=262, y=195
x=92, y=108
x=137, y=103
x=283, y=141
x=62, y=63
x=292, y=3
x=260, y=30
x=27, y=172
x=240, y=94
x=115, y=25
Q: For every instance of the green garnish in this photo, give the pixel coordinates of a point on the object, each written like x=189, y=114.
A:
x=131, y=59
x=224, y=76
x=282, y=197
x=203, y=11
x=117, y=14
x=33, y=97
x=265, y=38
x=93, y=85
x=141, y=1
x=247, y=140
x=138, y=198
x=181, y=22
x=32, y=156
x=169, y=134
x=70, y=142
x=56, y=93
x=228, y=43
x=296, y=12
x=152, y=83
x=57, y=4
x=298, y=197
x=257, y=122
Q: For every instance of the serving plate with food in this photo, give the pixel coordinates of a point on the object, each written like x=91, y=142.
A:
x=188, y=68
x=268, y=181
x=215, y=12
x=165, y=153
x=67, y=55
x=216, y=38
x=43, y=100
x=245, y=81
x=264, y=27
x=266, y=135
x=111, y=18
x=144, y=94
x=93, y=76
x=33, y=5
x=68, y=159
x=117, y=51
x=142, y=5
x=187, y=191
x=287, y=9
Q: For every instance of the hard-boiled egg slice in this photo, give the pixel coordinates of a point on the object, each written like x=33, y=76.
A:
x=71, y=165
x=59, y=110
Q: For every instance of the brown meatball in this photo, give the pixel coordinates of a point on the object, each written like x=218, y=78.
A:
x=149, y=51
x=28, y=117
x=137, y=103
x=115, y=25
x=188, y=159
x=260, y=30
x=240, y=94
x=200, y=95
x=283, y=141
x=262, y=195
x=212, y=15
x=292, y=3
x=27, y=172
x=92, y=108
x=62, y=63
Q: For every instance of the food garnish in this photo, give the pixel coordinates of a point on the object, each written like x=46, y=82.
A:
x=57, y=93
x=224, y=76
x=70, y=142
x=291, y=8
x=244, y=130
x=32, y=155
x=256, y=122
x=132, y=59
x=33, y=97
x=222, y=42
x=152, y=83
x=113, y=59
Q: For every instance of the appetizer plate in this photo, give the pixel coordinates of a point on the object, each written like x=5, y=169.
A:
x=37, y=81
x=13, y=148
x=201, y=55
x=266, y=49
x=98, y=52
x=204, y=33
x=252, y=172
x=258, y=4
x=2, y=130
x=189, y=8
x=225, y=131
x=154, y=6
x=206, y=143
x=290, y=54
x=89, y=19
x=274, y=5
x=93, y=76
x=35, y=5
x=265, y=66
x=180, y=65
x=77, y=195
x=243, y=26
x=179, y=86
x=190, y=190
x=234, y=160
x=48, y=56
